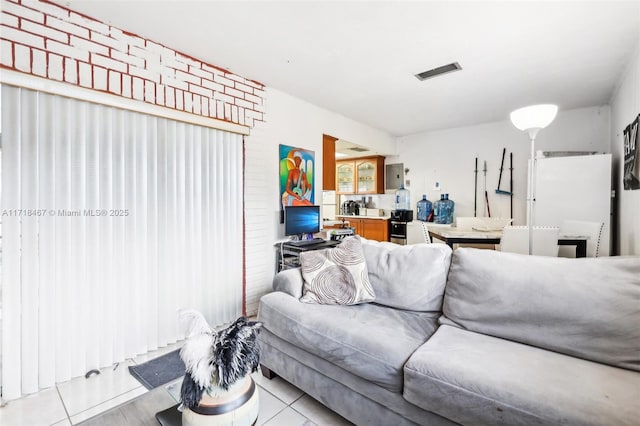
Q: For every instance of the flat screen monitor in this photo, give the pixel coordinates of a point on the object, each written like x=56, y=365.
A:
x=300, y=220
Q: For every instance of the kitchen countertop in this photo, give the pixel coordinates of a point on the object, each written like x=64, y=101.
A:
x=351, y=216
x=331, y=222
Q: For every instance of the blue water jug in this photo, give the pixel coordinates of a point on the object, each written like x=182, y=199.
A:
x=403, y=199
x=450, y=206
x=439, y=215
x=424, y=208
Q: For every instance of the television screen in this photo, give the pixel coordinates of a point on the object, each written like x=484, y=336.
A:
x=301, y=220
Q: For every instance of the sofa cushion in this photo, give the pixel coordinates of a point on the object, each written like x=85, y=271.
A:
x=409, y=277
x=329, y=383
x=476, y=379
x=370, y=341
x=589, y=307
x=336, y=276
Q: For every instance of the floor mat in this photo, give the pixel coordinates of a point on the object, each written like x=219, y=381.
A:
x=159, y=371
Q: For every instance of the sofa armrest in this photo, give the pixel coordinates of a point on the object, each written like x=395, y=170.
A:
x=289, y=281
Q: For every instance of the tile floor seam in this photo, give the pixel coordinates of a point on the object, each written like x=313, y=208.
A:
x=280, y=411
x=272, y=417
x=64, y=406
x=110, y=399
x=303, y=415
x=272, y=394
x=297, y=399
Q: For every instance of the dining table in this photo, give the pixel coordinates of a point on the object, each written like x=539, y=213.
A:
x=452, y=236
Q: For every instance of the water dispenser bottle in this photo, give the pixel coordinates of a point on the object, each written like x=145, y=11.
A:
x=424, y=208
x=403, y=199
x=450, y=205
x=438, y=210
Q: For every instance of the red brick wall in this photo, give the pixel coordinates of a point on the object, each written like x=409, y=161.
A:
x=47, y=40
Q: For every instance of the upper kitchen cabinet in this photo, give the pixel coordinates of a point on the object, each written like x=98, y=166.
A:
x=370, y=173
x=345, y=177
x=363, y=175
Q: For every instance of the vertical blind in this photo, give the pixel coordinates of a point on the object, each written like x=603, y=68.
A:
x=112, y=222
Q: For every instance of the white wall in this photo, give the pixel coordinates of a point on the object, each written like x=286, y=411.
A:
x=448, y=156
x=288, y=121
x=445, y=155
x=625, y=107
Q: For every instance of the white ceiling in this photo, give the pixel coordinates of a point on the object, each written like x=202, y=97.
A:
x=358, y=58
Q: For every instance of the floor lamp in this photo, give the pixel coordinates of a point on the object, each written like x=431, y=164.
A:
x=531, y=119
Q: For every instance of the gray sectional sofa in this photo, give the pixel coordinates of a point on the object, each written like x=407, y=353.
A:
x=473, y=337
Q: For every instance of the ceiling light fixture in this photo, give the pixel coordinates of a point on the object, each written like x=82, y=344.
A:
x=439, y=71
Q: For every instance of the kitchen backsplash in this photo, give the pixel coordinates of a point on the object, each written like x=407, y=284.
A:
x=331, y=202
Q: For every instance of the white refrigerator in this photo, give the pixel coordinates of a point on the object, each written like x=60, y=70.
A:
x=574, y=188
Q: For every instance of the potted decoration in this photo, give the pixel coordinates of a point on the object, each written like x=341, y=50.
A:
x=217, y=387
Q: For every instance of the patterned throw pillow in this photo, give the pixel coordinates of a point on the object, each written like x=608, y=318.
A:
x=336, y=276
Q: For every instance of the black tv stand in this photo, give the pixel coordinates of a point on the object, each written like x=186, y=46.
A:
x=304, y=243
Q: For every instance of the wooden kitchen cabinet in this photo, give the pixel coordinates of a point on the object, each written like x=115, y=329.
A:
x=356, y=224
x=371, y=229
x=363, y=175
x=328, y=163
x=370, y=175
x=345, y=177
x=375, y=229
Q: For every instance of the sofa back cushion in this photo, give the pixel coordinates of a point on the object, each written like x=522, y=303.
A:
x=589, y=307
x=409, y=277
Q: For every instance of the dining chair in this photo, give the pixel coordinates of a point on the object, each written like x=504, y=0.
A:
x=425, y=232
x=581, y=228
x=515, y=239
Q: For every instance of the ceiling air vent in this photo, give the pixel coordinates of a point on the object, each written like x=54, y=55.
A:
x=358, y=149
x=438, y=71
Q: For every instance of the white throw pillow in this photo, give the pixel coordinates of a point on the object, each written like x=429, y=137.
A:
x=336, y=276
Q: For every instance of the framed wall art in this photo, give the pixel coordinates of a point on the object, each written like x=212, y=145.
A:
x=631, y=178
x=297, y=173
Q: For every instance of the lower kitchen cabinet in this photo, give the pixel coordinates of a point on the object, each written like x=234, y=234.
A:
x=375, y=229
x=371, y=229
x=356, y=224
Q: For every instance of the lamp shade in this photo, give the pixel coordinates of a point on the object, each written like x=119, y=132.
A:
x=534, y=116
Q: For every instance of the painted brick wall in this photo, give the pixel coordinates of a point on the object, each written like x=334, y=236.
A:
x=47, y=40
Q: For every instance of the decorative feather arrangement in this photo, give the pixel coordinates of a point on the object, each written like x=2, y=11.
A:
x=214, y=361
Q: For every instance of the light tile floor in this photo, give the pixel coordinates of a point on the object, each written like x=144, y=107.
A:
x=69, y=403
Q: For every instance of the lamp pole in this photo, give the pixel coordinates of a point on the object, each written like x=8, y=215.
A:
x=532, y=136
x=531, y=119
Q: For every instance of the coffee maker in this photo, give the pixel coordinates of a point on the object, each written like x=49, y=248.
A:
x=350, y=208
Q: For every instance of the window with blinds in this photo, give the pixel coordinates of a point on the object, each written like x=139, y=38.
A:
x=112, y=221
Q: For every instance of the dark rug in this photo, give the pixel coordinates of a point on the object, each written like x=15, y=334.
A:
x=170, y=417
x=159, y=371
